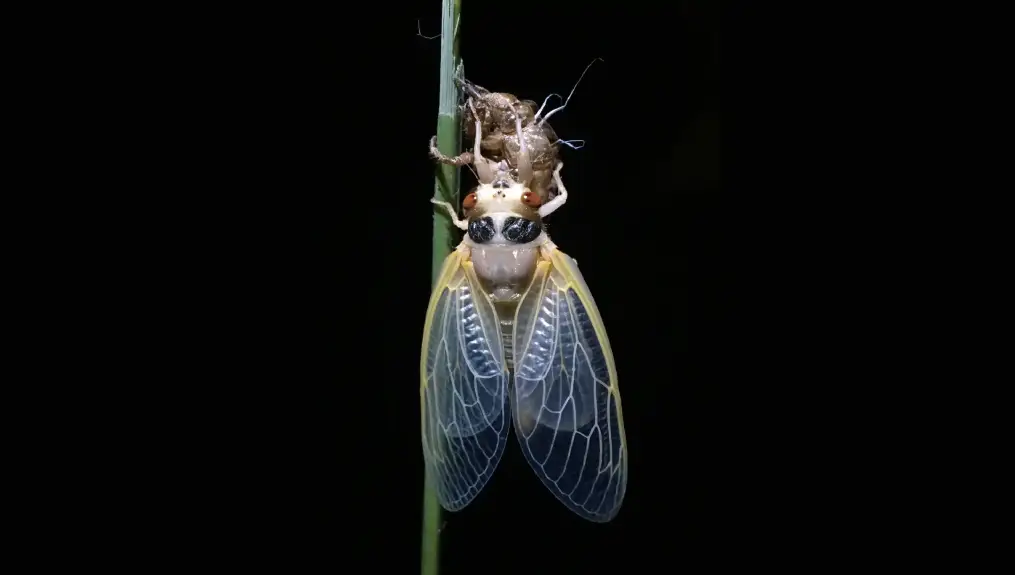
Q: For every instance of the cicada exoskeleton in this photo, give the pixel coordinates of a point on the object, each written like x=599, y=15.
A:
x=499, y=115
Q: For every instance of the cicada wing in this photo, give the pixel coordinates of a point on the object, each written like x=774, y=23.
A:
x=463, y=386
x=565, y=399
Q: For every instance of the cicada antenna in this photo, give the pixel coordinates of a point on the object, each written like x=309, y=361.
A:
x=540, y=111
x=573, y=144
x=554, y=111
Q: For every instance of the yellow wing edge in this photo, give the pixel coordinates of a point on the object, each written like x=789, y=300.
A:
x=450, y=267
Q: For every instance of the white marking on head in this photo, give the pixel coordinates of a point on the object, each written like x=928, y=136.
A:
x=499, y=196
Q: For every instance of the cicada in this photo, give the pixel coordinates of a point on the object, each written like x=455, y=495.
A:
x=513, y=337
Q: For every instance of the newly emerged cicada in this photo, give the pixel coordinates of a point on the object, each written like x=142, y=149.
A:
x=512, y=334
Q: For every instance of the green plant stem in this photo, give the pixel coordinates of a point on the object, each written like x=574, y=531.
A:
x=449, y=134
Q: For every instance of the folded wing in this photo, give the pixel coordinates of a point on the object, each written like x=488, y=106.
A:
x=565, y=400
x=463, y=387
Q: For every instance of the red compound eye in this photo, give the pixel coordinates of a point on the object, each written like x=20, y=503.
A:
x=470, y=201
x=531, y=199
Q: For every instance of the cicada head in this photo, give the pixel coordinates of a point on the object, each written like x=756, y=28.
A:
x=503, y=212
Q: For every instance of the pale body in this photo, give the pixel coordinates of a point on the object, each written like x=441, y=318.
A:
x=504, y=268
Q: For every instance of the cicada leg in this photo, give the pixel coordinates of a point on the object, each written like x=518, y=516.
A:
x=524, y=163
x=459, y=223
x=485, y=172
x=561, y=197
x=460, y=160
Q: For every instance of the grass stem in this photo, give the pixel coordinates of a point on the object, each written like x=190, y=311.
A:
x=449, y=137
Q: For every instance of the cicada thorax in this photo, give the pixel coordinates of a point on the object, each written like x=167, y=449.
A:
x=504, y=234
x=495, y=110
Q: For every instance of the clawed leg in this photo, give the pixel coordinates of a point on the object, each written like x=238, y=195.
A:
x=552, y=205
x=459, y=160
x=484, y=171
x=460, y=224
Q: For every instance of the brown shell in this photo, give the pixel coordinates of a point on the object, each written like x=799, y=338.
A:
x=541, y=142
x=496, y=112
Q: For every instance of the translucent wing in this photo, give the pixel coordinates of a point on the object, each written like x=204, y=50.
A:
x=565, y=399
x=463, y=385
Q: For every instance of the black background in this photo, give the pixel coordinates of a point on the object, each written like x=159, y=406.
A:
x=645, y=225
x=289, y=179
x=644, y=221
